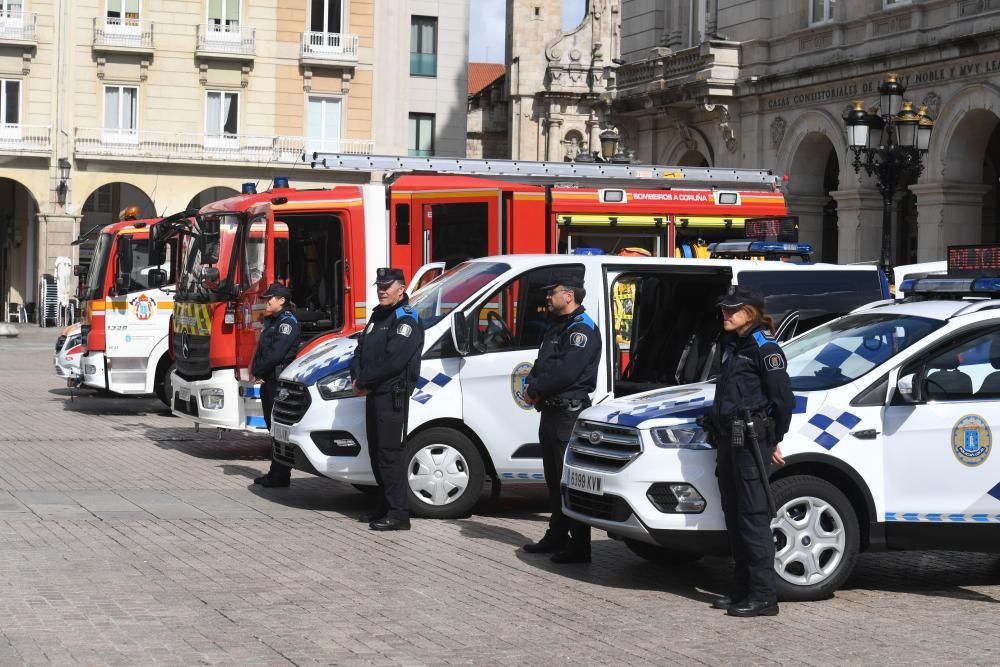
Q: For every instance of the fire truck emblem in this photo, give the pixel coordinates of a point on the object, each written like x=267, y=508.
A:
x=144, y=306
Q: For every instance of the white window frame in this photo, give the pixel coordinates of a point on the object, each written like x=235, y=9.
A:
x=218, y=139
x=827, y=12
x=325, y=144
x=119, y=135
x=221, y=31
x=10, y=130
x=122, y=25
x=343, y=16
x=9, y=16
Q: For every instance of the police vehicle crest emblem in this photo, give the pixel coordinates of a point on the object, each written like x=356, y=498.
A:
x=971, y=440
x=595, y=437
x=282, y=394
x=518, y=382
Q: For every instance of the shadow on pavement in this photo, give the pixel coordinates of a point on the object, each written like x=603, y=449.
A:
x=94, y=402
x=207, y=443
x=930, y=573
x=314, y=493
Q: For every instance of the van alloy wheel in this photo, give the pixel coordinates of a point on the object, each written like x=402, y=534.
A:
x=810, y=540
x=438, y=474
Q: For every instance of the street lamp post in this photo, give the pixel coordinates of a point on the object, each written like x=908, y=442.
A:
x=610, y=150
x=889, y=144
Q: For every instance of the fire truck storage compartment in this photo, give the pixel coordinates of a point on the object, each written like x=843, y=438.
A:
x=311, y=262
x=675, y=328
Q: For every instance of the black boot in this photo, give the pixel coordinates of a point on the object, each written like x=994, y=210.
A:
x=749, y=608
x=550, y=543
x=574, y=552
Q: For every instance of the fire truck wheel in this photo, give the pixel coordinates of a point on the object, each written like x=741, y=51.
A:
x=164, y=388
x=445, y=474
x=816, y=538
x=660, y=555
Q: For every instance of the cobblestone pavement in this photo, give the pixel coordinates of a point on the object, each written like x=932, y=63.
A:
x=127, y=538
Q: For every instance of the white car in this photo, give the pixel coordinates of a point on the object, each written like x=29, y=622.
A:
x=890, y=447
x=69, y=348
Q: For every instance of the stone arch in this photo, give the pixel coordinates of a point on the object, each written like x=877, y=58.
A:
x=18, y=243
x=212, y=194
x=953, y=128
x=687, y=148
x=102, y=206
x=814, y=122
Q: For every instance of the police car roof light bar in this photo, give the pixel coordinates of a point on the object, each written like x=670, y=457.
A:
x=526, y=171
x=954, y=285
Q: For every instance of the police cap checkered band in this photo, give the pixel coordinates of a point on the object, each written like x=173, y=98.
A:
x=277, y=289
x=742, y=296
x=567, y=280
x=385, y=275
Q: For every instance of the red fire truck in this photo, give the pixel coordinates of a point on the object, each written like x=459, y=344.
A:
x=325, y=244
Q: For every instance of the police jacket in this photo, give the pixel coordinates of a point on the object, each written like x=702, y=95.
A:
x=277, y=345
x=566, y=367
x=389, y=349
x=753, y=377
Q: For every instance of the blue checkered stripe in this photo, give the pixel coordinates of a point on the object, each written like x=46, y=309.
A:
x=828, y=426
x=525, y=476
x=427, y=387
x=935, y=517
x=859, y=358
x=650, y=409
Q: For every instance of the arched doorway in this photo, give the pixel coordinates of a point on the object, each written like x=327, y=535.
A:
x=102, y=208
x=209, y=195
x=18, y=243
x=814, y=172
x=693, y=158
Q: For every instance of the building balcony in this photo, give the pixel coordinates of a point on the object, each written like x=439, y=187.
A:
x=20, y=139
x=116, y=35
x=18, y=28
x=328, y=48
x=226, y=42
x=156, y=145
x=709, y=70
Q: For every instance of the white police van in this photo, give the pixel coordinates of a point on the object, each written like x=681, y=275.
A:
x=484, y=320
x=890, y=447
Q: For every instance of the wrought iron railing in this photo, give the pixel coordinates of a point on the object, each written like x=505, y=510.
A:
x=223, y=38
x=329, y=46
x=134, y=33
x=17, y=25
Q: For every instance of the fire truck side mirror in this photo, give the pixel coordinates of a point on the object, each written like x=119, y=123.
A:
x=156, y=278
x=460, y=333
x=123, y=275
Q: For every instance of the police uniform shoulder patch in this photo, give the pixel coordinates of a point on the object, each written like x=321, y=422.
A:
x=774, y=362
x=578, y=339
x=285, y=329
x=585, y=319
x=762, y=338
x=404, y=330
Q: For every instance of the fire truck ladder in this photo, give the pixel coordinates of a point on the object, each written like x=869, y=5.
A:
x=542, y=173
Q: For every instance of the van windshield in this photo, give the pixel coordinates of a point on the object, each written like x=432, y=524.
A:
x=440, y=297
x=845, y=349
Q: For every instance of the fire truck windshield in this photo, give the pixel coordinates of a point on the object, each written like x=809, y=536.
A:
x=98, y=266
x=208, y=259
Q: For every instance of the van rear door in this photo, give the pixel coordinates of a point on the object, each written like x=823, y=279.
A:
x=664, y=324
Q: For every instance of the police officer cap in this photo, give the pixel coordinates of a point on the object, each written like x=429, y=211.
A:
x=277, y=289
x=385, y=275
x=742, y=296
x=565, y=280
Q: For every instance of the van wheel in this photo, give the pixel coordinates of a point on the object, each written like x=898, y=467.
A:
x=660, y=555
x=816, y=538
x=164, y=387
x=444, y=472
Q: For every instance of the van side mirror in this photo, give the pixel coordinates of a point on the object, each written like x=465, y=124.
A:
x=460, y=333
x=911, y=388
x=156, y=278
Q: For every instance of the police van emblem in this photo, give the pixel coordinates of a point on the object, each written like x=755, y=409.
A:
x=595, y=437
x=282, y=394
x=971, y=440
x=518, y=383
x=578, y=339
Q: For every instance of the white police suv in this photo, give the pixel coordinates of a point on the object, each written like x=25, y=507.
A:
x=891, y=445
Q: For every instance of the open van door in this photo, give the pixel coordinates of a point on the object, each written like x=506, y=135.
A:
x=424, y=275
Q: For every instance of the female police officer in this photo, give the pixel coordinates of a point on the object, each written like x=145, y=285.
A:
x=752, y=409
x=276, y=348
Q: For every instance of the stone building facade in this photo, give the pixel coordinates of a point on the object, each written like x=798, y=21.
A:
x=765, y=83
x=166, y=105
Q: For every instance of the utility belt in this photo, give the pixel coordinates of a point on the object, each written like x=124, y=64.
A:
x=733, y=430
x=571, y=404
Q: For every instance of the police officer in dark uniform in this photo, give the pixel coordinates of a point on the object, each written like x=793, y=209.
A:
x=752, y=409
x=559, y=385
x=276, y=348
x=385, y=369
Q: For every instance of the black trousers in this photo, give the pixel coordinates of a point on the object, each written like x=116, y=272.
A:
x=384, y=424
x=268, y=391
x=748, y=521
x=554, y=431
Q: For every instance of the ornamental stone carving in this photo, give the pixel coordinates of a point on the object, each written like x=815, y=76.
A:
x=778, y=126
